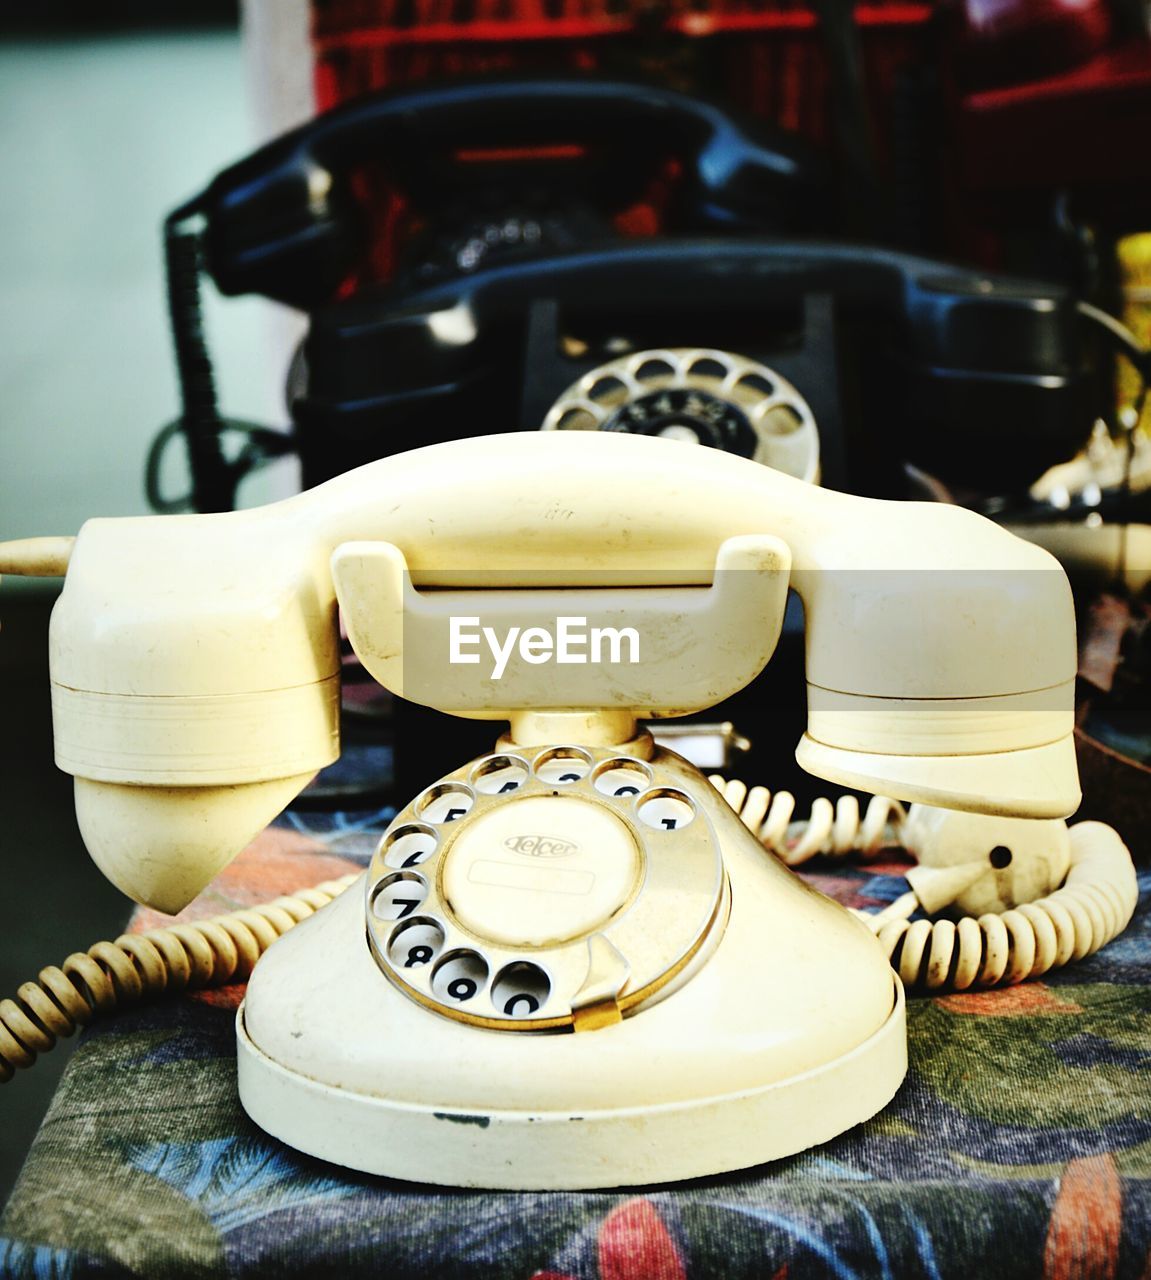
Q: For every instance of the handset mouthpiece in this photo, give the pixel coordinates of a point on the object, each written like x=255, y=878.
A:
x=162, y=845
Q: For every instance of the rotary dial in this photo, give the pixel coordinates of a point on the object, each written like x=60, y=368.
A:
x=700, y=396
x=561, y=887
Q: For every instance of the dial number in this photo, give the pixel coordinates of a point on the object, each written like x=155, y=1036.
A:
x=399, y=896
x=500, y=776
x=415, y=943
x=562, y=766
x=460, y=977
x=666, y=810
x=447, y=802
x=520, y=990
x=622, y=778
x=408, y=846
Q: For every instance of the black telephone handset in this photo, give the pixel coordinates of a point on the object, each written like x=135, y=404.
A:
x=297, y=220
x=285, y=223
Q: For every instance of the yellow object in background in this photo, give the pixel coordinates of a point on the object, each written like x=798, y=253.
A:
x=1135, y=280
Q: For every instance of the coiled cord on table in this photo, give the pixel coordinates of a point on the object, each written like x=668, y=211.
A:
x=175, y=957
x=830, y=828
x=1093, y=906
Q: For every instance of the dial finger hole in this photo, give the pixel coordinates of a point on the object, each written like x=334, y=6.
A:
x=409, y=845
x=655, y=367
x=398, y=896
x=521, y=990
x=577, y=419
x=758, y=383
x=562, y=765
x=608, y=390
x=665, y=810
x=622, y=777
x=782, y=420
x=415, y=943
x=500, y=775
x=460, y=977
x=446, y=802
x=708, y=367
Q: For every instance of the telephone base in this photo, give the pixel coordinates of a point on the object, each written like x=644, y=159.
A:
x=565, y=1150
x=781, y=1026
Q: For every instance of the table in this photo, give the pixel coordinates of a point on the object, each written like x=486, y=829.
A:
x=1020, y=1145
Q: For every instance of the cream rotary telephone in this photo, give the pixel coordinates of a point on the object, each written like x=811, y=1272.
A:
x=571, y=964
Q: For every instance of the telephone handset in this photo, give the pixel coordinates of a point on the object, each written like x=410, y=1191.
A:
x=201, y=621
x=286, y=222
x=446, y=179
x=571, y=963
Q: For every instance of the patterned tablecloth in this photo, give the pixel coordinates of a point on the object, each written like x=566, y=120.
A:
x=1020, y=1145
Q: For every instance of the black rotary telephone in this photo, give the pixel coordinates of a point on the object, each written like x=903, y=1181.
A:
x=518, y=281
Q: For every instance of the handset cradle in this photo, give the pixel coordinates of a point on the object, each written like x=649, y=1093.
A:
x=405, y=637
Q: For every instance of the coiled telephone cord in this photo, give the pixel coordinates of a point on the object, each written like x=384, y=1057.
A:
x=1092, y=907
x=176, y=957
x=830, y=828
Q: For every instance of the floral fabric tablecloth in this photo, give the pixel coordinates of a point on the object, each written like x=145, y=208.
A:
x=1020, y=1145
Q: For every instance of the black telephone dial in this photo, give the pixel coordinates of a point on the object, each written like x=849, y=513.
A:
x=518, y=282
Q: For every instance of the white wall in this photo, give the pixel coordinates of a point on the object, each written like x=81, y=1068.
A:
x=100, y=139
